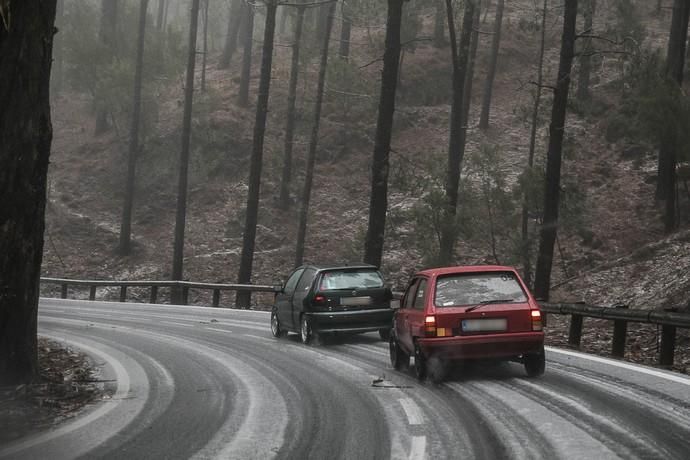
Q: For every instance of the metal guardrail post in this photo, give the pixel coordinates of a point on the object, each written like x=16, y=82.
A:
x=620, y=330
x=63, y=291
x=216, y=297
x=123, y=293
x=185, y=295
x=668, y=345
x=154, y=294
x=92, y=293
x=575, y=332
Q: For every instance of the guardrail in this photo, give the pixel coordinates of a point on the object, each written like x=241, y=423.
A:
x=669, y=320
x=184, y=286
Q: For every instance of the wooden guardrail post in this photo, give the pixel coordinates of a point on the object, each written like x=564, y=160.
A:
x=575, y=332
x=668, y=345
x=123, y=293
x=620, y=331
x=92, y=293
x=154, y=294
x=185, y=295
x=216, y=297
x=63, y=291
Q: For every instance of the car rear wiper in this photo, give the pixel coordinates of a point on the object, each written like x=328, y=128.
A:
x=488, y=302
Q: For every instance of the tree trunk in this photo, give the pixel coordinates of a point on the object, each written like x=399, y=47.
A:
x=181, y=215
x=58, y=48
x=290, y=116
x=583, y=93
x=126, y=224
x=249, y=237
x=345, y=31
x=675, y=61
x=378, y=201
x=25, y=137
x=313, y=141
x=108, y=36
x=243, y=97
x=491, y=74
x=204, y=51
x=321, y=17
x=458, y=127
x=549, y=228
x=237, y=11
x=160, y=25
x=526, y=256
x=469, y=78
x=439, y=37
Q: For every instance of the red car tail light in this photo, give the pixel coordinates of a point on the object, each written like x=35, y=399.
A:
x=536, y=320
x=430, y=326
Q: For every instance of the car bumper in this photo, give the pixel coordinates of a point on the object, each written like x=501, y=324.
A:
x=352, y=321
x=483, y=346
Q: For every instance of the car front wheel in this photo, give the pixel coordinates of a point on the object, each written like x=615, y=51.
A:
x=305, y=331
x=276, y=330
x=399, y=359
x=535, y=363
x=385, y=334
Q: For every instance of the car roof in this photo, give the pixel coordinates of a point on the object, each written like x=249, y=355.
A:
x=339, y=267
x=465, y=269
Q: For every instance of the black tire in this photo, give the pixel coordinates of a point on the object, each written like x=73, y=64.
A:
x=437, y=369
x=306, y=332
x=385, y=334
x=535, y=363
x=399, y=359
x=420, y=366
x=276, y=329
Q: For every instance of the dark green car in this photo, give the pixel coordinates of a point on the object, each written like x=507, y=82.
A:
x=332, y=300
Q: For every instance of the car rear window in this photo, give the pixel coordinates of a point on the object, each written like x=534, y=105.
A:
x=350, y=279
x=475, y=288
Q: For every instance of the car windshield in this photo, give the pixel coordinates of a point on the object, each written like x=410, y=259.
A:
x=350, y=279
x=478, y=288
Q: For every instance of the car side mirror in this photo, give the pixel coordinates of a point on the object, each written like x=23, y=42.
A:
x=280, y=286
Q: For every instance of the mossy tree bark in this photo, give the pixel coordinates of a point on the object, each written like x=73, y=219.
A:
x=26, y=41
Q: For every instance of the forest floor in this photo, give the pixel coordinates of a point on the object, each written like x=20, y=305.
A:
x=67, y=383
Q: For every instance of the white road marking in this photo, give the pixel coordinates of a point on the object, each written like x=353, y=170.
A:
x=265, y=339
x=367, y=349
x=417, y=448
x=174, y=323
x=412, y=411
x=225, y=331
x=633, y=367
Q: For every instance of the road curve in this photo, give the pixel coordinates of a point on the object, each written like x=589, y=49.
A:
x=192, y=382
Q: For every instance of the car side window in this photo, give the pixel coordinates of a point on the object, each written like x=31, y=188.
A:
x=292, y=281
x=306, y=280
x=419, y=296
x=409, y=295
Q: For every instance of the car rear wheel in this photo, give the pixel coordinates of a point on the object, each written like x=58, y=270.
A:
x=437, y=369
x=399, y=359
x=305, y=331
x=276, y=330
x=385, y=334
x=535, y=363
x=419, y=363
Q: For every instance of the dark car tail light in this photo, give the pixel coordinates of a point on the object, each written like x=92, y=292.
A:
x=536, y=320
x=319, y=299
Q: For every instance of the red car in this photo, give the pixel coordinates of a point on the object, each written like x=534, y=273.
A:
x=454, y=314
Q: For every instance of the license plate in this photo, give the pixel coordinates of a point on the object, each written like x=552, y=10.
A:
x=484, y=325
x=355, y=300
